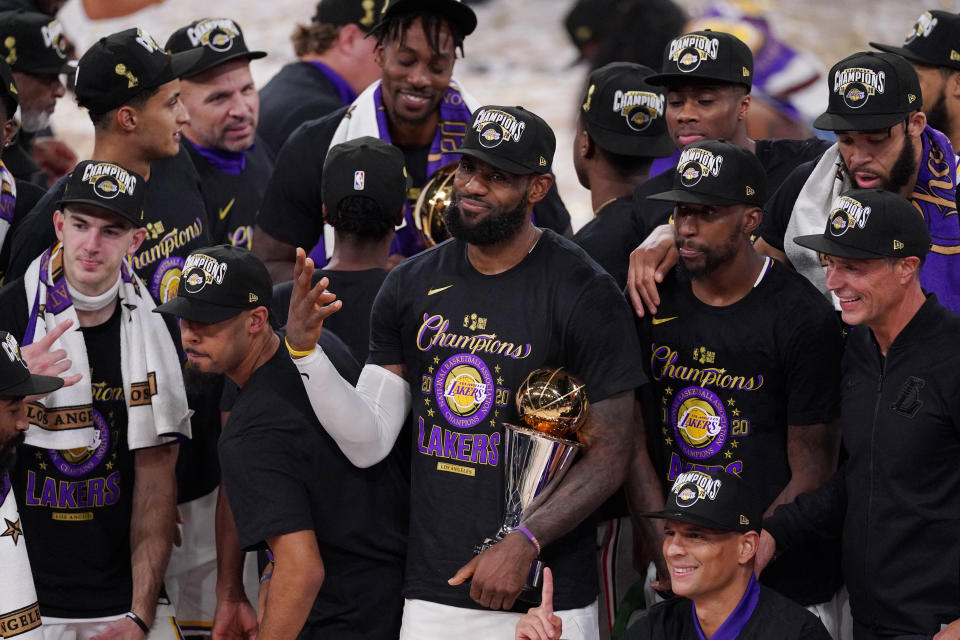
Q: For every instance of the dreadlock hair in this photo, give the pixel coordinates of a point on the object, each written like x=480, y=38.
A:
x=395, y=29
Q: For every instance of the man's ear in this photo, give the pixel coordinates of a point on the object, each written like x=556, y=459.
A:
x=259, y=320
x=953, y=84
x=378, y=55
x=908, y=269
x=743, y=109
x=539, y=186
x=58, y=220
x=752, y=217
x=139, y=235
x=916, y=123
x=126, y=118
x=747, y=546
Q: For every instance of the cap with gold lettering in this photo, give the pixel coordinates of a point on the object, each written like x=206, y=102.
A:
x=219, y=283
x=870, y=224
x=108, y=186
x=510, y=138
x=934, y=39
x=706, y=56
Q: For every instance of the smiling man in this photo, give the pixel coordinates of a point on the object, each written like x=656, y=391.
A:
x=894, y=501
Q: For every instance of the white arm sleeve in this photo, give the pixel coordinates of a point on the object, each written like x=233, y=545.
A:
x=364, y=421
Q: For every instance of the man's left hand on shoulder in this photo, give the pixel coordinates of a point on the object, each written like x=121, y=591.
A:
x=951, y=632
x=498, y=574
x=122, y=629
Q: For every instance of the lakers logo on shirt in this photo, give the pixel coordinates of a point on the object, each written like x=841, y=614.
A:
x=699, y=422
x=166, y=279
x=81, y=461
x=464, y=390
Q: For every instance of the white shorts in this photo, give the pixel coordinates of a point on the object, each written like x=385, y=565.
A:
x=191, y=578
x=424, y=620
x=164, y=626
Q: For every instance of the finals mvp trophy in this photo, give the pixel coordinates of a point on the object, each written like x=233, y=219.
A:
x=553, y=406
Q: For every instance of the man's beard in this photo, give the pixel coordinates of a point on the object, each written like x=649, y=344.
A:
x=904, y=169
x=33, y=121
x=8, y=453
x=937, y=117
x=712, y=258
x=491, y=230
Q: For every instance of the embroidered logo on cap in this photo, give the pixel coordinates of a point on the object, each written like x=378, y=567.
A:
x=690, y=50
x=121, y=70
x=200, y=270
x=53, y=38
x=586, y=103
x=744, y=520
x=693, y=486
x=897, y=245
x=12, y=349
x=494, y=126
x=639, y=108
x=10, y=43
x=696, y=163
x=217, y=34
x=358, y=180
x=750, y=191
x=109, y=180
x=847, y=213
x=857, y=84
x=921, y=28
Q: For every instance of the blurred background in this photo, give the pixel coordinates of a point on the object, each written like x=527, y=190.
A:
x=523, y=53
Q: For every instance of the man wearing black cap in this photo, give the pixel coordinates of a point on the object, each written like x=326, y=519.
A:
x=931, y=47
x=19, y=611
x=99, y=497
x=131, y=91
x=35, y=47
x=334, y=530
x=365, y=184
x=416, y=106
x=711, y=526
x=483, y=310
x=221, y=136
x=335, y=64
x=894, y=501
x=620, y=130
x=754, y=403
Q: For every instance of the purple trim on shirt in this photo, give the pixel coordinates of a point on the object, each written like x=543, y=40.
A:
x=661, y=165
x=232, y=162
x=344, y=90
x=737, y=619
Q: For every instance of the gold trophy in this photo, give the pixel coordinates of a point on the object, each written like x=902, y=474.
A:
x=553, y=406
x=434, y=198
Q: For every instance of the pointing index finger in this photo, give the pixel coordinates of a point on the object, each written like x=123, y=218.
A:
x=546, y=599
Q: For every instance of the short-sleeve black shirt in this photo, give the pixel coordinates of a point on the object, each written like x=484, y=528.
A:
x=779, y=208
x=283, y=473
x=467, y=341
x=609, y=238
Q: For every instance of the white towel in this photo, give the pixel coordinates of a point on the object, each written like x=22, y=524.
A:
x=152, y=378
x=19, y=611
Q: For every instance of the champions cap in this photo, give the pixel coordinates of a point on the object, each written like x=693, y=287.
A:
x=362, y=13
x=934, y=39
x=108, y=186
x=8, y=92
x=590, y=20
x=510, y=138
x=33, y=42
x=871, y=224
x=713, y=499
x=454, y=11
x=717, y=172
x=217, y=283
x=122, y=65
x=624, y=114
x=870, y=91
x=15, y=378
x=707, y=56
x=220, y=40
x=367, y=167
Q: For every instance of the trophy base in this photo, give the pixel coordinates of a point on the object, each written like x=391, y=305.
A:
x=531, y=592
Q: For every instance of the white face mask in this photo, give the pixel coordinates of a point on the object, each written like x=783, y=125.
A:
x=32, y=121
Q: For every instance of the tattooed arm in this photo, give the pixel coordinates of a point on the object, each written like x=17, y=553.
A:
x=812, y=455
x=499, y=573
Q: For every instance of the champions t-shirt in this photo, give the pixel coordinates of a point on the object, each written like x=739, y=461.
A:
x=77, y=503
x=176, y=224
x=467, y=341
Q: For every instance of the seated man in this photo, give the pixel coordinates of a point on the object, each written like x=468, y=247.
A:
x=711, y=529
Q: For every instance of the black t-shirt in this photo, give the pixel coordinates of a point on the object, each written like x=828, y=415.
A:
x=610, y=237
x=774, y=617
x=284, y=473
x=357, y=290
x=779, y=208
x=28, y=195
x=176, y=223
x=291, y=210
x=297, y=93
x=232, y=200
x=447, y=323
x=77, y=503
x=19, y=160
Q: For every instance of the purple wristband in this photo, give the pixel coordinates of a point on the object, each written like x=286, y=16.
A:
x=532, y=538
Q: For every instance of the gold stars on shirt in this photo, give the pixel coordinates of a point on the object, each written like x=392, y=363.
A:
x=14, y=531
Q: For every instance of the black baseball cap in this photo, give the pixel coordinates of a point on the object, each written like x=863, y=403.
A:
x=510, y=138
x=934, y=39
x=220, y=40
x=8, y=92
x=33, y=42
x=624, y=114
x=15, y=378
x=108, y=186
x=590, y=20
x=706, y=55
x=122, y=65
x=717, y=172
x=367, y=167
x=871, y=224
x=713, y=499
x=362, y=13
x=217, y=283
x=870, y=90
x=453, y=11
